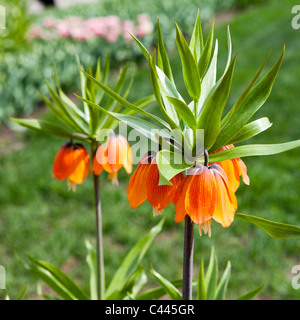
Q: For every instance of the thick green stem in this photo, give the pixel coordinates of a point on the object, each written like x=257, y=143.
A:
x=99, y=236
x=188, y=253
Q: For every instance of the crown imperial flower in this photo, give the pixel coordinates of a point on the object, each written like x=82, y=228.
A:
x=72, y=162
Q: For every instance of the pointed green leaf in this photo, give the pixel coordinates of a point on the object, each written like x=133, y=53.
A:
x=48, y=128
x=211, y=276
x=251, y=150
x=251, y=129
x=248, y=104
x=163, y=60
x=184, y=111
x=252, y=294
x=62, y=278
x=201, y=292
x=222, y=286
x=166, y=89
x=132, y=260
x=143, y=49
x=274, y=229
x=22, y=293
x=91, y=261
x=196, y=42
x=51, y=282
x=169, y=288
x=209, y=79
x=123, y=102
x=210, y=118
x=206, y=54
x=189, y=67
x=169, y=164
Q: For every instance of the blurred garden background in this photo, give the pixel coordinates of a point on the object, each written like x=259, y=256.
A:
x=40, y=216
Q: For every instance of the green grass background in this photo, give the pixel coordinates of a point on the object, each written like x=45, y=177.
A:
x=40, y=216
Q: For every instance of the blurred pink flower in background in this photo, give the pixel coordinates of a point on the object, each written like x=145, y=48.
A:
x=96, y=26
x=128, y=26
x=49, y=23
x=145, y=25
x=80, y=33
x=109, y=27
x=63, y=29
x=35, y=32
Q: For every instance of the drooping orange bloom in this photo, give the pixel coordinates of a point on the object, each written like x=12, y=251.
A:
x=204, y=194
x=114, y=156
x=143, y=185
x=97, y=167
x=234, y=169
x=72, y=162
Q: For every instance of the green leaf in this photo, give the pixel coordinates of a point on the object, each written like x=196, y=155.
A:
x=222, y=286
x=123, y=102
x=243, y=96
x=136, y=282
x=163, y=60
x=196, y=42
x=61, y=277
x=91, y=261
x=74, y=123
x=206, y=54
x=248, y=104
x=118, y=87
x=55, y=285
x=251, y=129
x=22, y=293
x=132, y=287
x=144, y=127
x=158, y=94
x=210, y=118
x=189, y=67
x=132, y=260
x=209, y=79
x=211, y=276
x=184, y=111
x=143, y=49
x=274, y=229
x=169, y=164
x=166, y=89
x=201, y=292
x=251, y=150
x=48, y=128
x=169, y=288
x=250, y=295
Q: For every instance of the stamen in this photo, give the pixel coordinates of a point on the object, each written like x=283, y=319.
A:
x=157, y=212
x=206, y=226
x=71, y=186
x=113, y=176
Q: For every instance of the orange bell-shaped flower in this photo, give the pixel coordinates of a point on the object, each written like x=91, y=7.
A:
x=143, y=185
x=72, y=162
x=234, y=169
x=204, y=194
x=97, y=167
x=114, y=156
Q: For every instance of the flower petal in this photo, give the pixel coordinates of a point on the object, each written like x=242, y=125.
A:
x=200, y=199
x=226, y=202
x=62, y=165
x=137, y=190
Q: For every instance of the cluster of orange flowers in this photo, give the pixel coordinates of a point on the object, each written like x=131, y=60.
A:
x=73, y=161
x=206, y=192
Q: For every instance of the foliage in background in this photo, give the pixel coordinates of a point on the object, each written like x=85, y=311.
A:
x=23, y=71
x=17, y=23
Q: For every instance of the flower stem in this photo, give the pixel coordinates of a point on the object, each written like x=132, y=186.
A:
x=99, y=235
x=188, y=259
x=99, y=245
